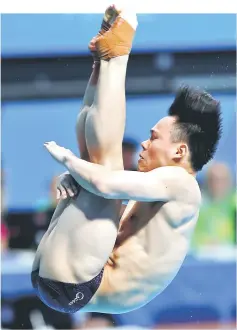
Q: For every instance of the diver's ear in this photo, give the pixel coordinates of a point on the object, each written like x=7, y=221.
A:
x=180, y=151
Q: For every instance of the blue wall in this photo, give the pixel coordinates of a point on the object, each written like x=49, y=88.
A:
x=27, y=125
x=70, y=33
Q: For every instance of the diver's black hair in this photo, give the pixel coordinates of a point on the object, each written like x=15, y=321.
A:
x=198, y=124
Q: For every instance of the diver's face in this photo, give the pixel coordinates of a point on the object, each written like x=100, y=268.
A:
x=158, y=149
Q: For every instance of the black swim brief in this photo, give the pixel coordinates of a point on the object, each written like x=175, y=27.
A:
x=65, y=297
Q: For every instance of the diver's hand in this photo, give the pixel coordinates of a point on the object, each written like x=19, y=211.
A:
x=67, y=186
x=60, y=154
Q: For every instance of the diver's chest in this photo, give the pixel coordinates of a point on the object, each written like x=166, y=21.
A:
x=138, y=213
x=133, y=216
x=137, y=218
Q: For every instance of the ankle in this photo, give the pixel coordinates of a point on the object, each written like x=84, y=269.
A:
x=120, y=60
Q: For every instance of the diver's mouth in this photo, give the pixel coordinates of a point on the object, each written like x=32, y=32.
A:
x=141, y=156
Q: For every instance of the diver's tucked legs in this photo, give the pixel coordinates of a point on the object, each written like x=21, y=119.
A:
x=86, y=104
x=105, y=121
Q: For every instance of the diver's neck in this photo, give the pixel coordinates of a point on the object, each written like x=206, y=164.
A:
x=187, y=167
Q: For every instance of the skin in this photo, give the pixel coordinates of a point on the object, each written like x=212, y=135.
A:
x=159, y=150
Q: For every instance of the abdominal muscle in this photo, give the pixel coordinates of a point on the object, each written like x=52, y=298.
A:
x=65, y=255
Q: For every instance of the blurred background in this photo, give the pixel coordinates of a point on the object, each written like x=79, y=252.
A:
x=45, y=66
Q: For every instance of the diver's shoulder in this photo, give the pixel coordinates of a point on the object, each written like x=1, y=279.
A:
x=188, y=184
x=194, y=189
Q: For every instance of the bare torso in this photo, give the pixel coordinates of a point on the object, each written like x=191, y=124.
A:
x=152, y=243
